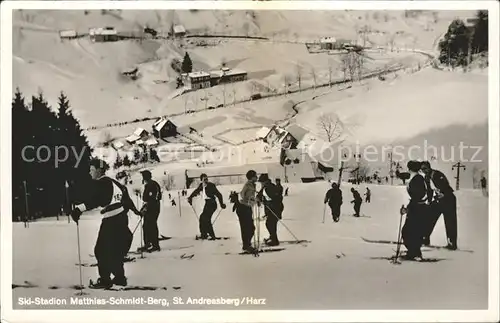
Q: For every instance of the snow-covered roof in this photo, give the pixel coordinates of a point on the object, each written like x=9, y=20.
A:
x=67, y=33
x=158, y=125
x=297, y=131
x=151, y=142
x=179, y=29
x=132, y=138
x=262, y=133
x=198, y=74
x=140, y=142
x=327, y=40
x=118, y=144
x=227, y=72
x=102, y=31
x=139, y=132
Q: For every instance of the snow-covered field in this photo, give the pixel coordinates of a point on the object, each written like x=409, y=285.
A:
x=336, y=269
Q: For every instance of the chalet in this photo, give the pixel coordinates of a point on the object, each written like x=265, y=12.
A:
x=68, y=34
x=278, y=136
x=105, y=34
x=164, y=128
x=151, y=142
x=139, y=134
x=118, y=145
x=178, y=31
x=327, y=43
x=262, y=133
x=227, y=75
x=197, y=80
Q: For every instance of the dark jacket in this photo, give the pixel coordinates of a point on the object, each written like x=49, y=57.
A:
x=440, y=182
x=334, y=197
x=417, y=190
x=100, y=194
x=152, y=192
x=357, y=197
x=274, y=196
x=211, y=191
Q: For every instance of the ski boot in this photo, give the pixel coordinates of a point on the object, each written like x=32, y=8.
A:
x=143, y=249
x=451, y=246
x=272, y=243
x=101, y=284
x=201, y=237
x=336, y=219
x=120, y=281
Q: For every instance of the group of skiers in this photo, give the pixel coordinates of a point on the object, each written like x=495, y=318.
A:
x=429, y=191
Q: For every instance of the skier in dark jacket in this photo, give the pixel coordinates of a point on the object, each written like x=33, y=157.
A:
x=270, y=196
x=150, y=211
x=357, y=202
x=280, y=187
x=441, y=200
x=334, y=199
x=243, y=209
x=114, y=238
x=416, y=210
x=368, y=195
x=209, y=192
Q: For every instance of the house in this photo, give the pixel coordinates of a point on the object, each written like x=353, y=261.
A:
x=68, y=34
x=262, y=133
x=138, y=136
x=197, y=80
x=163, y=128
x=327, y=43
x=278, y=136
x=227, y=75
x=103, y=34
x=179, y=31
x=118, y=145
x=151, y=142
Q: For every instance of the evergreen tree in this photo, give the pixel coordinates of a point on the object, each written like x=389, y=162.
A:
x=126, y=161
x=187, y=64
x=480, y=32
x=454, y=46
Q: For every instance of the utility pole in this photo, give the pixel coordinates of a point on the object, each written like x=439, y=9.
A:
x=391, y=172
x=224, y=94
x=180, y=211
x=66, y=185
x=341, y=169
x=26, y=217
x=458, y=166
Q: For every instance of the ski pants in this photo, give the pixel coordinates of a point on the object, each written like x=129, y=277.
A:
x=335, y=210
x=206, y=228
x=448, y=207
x=368, y=199
x=357, y=207
x=247, y=226
x=113, y=243
x=413, y=229
x=151, y=225
x=273, y=215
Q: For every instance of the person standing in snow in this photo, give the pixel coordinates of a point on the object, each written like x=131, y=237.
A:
x=484, y=186
x=244, y=211
x=286, y=191
x=441, y=200
x=209, y=192
x=334, y=199
x=279, y=186
x=150, y=211
x=368, y=195
x=270, y=196
x=414, y=227
x=114, y=238
x=357, y=202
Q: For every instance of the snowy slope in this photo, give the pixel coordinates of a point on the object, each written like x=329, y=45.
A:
x=336, y=270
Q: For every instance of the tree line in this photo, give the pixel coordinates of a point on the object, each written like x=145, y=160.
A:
x=50, y=157
x=462, y=42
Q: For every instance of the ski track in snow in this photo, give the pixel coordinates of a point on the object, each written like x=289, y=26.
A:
x=334, y=257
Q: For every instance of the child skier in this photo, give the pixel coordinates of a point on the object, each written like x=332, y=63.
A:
x=357, y=202
x=334, y=199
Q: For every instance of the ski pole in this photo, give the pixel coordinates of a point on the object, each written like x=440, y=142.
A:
x=324, y=211
x=138, y=222
x=281, y=221
x=79, y=257
x=398, y=247
x=180, y=210
x=195, y=212
x=218, y=214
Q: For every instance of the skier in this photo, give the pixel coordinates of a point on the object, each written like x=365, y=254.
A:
x=334, y=199
x=484, y=186
x=280, y=188
x=286, y=191
x=244, y=211
x=368, y=195
x=357, y=202
x=114, y=238
x=412, y=232
x=209, y=192
x=173, y=202
x=150, y=211
x=169, y=196
x=441, y=200
x=270, y=196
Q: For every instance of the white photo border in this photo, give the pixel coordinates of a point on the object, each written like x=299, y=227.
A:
x=10, y=315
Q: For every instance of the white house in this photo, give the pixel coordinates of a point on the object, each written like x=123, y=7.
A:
x=139, y=134
x=68, y=34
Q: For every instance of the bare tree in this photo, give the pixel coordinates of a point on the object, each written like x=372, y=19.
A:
x=330, y=125
x=234, y=96
x=286, y=80
x=359, y=61
x=106, y=139
x=344, y=66
x=168, y=182
x=313, y=73
x=352, y=65
x=299, y=76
